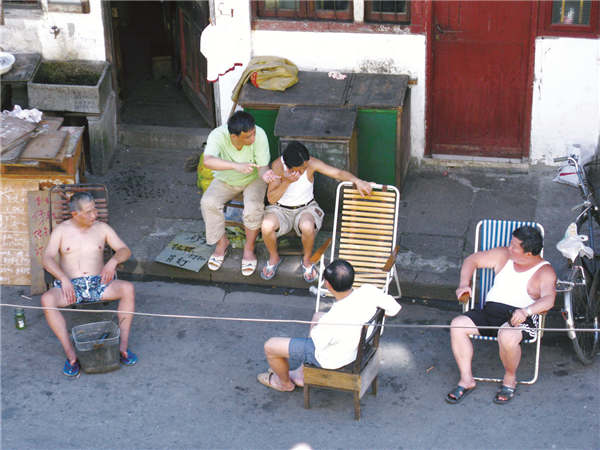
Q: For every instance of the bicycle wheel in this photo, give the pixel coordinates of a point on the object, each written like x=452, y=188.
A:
x=581, y=301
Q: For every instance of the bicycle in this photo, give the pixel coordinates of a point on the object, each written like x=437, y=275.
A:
x=581, y=300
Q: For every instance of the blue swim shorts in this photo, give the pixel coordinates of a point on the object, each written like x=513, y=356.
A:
x=302, y=350
x=87, y=289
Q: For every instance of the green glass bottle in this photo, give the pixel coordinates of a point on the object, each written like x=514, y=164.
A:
x=20, y=318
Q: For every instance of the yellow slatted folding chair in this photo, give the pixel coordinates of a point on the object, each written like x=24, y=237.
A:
x=491, y=233
x=365, y=231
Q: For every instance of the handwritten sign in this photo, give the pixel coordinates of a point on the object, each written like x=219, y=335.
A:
x=38, y=204
x=187, y=251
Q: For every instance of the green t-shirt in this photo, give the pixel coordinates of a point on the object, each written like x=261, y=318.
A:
x=219, y=145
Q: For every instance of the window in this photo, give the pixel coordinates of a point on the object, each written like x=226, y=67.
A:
x=387, y=11
x=569, y=17
x=20, y=3
x=302, y=9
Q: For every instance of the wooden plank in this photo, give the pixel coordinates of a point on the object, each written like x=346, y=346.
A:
x=367, y=231
x=354, y=193
x=44, y=146
x=331, y=378
x=386, y=205
x=38, y=206
x=369, y=219
x=385, y=244
x=366, y=224
x=13, y=131
x=369, y=373
x=368, y=214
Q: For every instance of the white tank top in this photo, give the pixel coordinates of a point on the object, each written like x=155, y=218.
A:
x=510, y=286
x=300, y=192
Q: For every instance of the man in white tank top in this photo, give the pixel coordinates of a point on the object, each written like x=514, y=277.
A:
x=292, y=205
x=524, y=287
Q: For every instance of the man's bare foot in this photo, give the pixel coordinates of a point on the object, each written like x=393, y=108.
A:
x=221, y=246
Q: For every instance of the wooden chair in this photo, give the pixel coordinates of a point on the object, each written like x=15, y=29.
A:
x=491, y=233
x=357, y=376
x=365, y=233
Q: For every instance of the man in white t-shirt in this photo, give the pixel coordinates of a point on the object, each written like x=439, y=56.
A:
x=332, y=343
x=523, y=288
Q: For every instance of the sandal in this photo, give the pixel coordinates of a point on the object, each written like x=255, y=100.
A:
x=309, y=274
x=504, y=395
x=71, y=370
x=130, y=359
x=265, y=379
x=215, y=262
x=270, y=270
x=249, y=266
x=457, y=394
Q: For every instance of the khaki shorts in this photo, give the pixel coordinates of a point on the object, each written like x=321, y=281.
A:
x=290, y=218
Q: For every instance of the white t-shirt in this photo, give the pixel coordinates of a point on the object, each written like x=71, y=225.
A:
x=337, y=345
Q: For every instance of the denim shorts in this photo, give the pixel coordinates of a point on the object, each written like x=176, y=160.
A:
x=302, y=350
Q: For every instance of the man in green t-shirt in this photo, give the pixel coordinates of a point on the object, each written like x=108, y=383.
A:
x=238, y=153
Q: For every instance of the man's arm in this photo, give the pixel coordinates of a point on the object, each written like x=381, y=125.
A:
x=279, y=185
x=50, y=263
x=492, y=259
x=214, y=163
x=542, y=304
x=364, y=187
x=122, y=254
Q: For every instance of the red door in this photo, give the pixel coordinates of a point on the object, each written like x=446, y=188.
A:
x=480, y=57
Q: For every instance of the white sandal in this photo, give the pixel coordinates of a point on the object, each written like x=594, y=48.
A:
x=249, y=266
x=215, y=262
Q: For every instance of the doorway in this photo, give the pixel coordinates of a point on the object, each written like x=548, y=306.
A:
x=480, y=71
x=147, y=58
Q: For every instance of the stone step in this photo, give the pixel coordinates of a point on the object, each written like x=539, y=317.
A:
x=151, y=136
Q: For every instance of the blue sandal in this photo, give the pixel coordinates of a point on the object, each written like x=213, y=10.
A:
x=71, y=370
x=270, y=270
x=309, y=273
x=130, y=360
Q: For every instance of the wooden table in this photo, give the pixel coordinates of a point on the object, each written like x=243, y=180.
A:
x=24, y=218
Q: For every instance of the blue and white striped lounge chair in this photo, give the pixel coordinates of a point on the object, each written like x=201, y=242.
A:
x=491, y=233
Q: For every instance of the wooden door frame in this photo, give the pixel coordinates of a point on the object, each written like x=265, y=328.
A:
x=526, y=136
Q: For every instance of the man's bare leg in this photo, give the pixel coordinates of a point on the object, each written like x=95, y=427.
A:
x=277, y=353
x=251, y=236
x=308, y=231
x=462, y=348
x=222, y=245
x=269, y=229
x=53, y=298
x=510, y=353
x=297, y=375
x=125, y=292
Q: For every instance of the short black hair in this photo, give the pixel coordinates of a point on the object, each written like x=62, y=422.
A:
x=240, y=122
x=77, y=199
x=531, y=239
x=295, y=154
x=340, y=275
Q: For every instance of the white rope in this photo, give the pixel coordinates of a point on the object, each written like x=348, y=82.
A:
x=260, y=320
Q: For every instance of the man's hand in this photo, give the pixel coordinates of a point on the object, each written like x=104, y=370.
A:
x=364, y=187
x=291, y=176
x=518, y=317
x=108, y=271
x=245, y=168
x=269, y=176
x=68, y=291
x=462, y=290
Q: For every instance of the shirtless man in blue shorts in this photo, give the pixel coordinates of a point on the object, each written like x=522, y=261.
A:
x=74, y=256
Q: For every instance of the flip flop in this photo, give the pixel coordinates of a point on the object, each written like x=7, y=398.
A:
x=309, y=274
x=215, y=262
x=270, y=270
x=457, y=394
x=504, y=395
x=71, y=370
x=249, y=266
x=265, y=379
x=130, y=359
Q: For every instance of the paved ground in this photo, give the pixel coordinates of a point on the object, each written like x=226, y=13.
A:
x=195, y=385
x=152, y=199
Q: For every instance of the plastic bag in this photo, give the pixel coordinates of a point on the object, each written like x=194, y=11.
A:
x=572, y=245
x=567, y=175
x=205, y=175
x=279, y=75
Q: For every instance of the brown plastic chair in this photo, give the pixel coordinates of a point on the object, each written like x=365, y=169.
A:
x=357, y=376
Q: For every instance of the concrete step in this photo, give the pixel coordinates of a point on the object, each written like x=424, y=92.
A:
x=151, y=136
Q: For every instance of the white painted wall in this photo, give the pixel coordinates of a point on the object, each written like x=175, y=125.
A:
x=81, y=36
x=566, y=97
